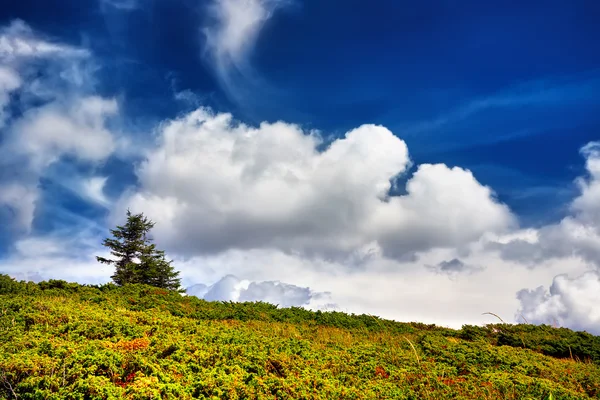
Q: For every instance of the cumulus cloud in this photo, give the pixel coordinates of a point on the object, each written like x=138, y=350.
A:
x=213, y=184
x=443, y=207
x=570, y=302
x=231, y=288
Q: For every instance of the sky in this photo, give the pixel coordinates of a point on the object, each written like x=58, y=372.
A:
x=422, y=161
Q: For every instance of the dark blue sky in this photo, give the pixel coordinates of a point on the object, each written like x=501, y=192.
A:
x=510, y=90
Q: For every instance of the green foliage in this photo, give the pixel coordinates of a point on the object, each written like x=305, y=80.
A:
x=67, y=341
x=138, y=260
x=555, y=342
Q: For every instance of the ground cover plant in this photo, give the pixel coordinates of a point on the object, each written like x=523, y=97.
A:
x=61, y=340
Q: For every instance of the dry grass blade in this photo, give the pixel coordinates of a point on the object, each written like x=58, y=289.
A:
x=491, y=313
x=414, y=350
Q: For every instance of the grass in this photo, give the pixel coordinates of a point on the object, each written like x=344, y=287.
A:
x=67, y=341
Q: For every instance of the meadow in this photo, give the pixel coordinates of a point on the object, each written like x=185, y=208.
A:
x=62, y=340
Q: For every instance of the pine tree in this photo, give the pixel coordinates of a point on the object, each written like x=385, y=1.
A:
x=138, y=260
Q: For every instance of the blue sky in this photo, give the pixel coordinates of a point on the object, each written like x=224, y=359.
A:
x=100, y=97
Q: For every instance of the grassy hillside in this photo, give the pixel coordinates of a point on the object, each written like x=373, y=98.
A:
x=67, y=341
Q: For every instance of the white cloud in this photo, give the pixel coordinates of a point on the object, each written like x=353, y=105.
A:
x=93, y=189
x=76, y=129
x=231, y=288
x=261, y=204
x=213, y=185
x=18, y=41
x=21, y=200
x=235, y=28
x=443, y=207
x=60, y=117
x=570, y=302
x=252, y=207
x=587, y=206
x=231, y=35
x=404, y=291
x=578, y=234
x=41, y=137
x=58, y=256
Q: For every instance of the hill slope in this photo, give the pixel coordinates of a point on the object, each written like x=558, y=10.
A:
x=68, y=341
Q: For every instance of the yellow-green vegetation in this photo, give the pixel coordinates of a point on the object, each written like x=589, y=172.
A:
x=67, y=341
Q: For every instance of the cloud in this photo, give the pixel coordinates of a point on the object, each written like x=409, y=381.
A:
x=93, y=189
x=58, y=116
x=524, y=109
x=586, y=207
x=231, y=34
x=76, y=129
x=443, y=207
x=570, y=302
x=120, y=5
x=252, y=207
x=231, y=288
x=382, y=287
x=213, y=184
x=18, y=41
x=40, y=138
x=578, y=234
x=20, y=200
x=61, y=255
x=403, y=291
x=235, y=28
x=454, y=267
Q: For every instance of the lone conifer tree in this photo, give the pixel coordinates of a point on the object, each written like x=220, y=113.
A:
x=138, y=260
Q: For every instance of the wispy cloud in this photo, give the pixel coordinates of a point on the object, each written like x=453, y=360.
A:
x=58, y=115
x=121, y=5
x=18, y=40
x=231, y=34
x=546, y=101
